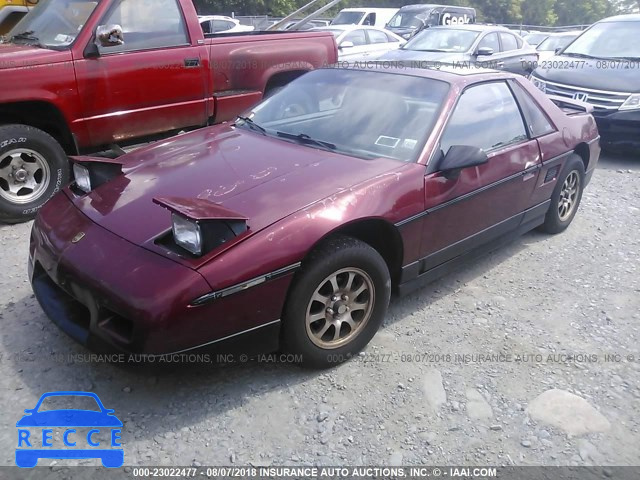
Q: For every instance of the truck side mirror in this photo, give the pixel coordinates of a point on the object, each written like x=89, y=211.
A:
x=109, y=35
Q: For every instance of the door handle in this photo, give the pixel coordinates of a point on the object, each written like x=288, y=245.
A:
x=191, y=62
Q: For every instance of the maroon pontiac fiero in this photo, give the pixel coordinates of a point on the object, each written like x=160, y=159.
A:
x=289, y=228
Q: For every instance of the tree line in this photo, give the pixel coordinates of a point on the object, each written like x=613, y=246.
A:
x=527, y=12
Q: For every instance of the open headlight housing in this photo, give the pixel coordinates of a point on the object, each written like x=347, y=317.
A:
x=82, y=177
x=631, y=103
x=187, y=234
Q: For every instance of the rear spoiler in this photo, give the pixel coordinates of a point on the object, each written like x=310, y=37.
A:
x=569, y=106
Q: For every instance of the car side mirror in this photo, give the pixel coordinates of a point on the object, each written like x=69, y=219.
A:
x=29, y=410
x=461, y=156
x=557, y=50
x=484, y=51
x=110, y=35
x=346, y=45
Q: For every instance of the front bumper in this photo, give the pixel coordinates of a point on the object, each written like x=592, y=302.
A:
x=620, y=129
x=107, y=293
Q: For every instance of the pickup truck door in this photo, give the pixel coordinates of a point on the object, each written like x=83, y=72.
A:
x=487, y=201
x=156, y=81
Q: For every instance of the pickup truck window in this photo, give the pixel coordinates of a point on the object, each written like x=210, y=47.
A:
x=54, y=23
x=147, y=25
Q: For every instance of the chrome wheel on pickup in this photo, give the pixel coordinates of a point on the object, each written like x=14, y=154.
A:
x=33, y=167
x=24, y=175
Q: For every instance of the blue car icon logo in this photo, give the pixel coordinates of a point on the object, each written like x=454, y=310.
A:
x=80, y=432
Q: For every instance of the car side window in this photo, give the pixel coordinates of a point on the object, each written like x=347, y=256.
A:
x=509, y=42
x=147, y=25
x=487, y=117
x=222, y=25
x=370, y=20
x=356, y=37
x=206, y=26
x=491, y=41
x=375, y=36
x=539, y=123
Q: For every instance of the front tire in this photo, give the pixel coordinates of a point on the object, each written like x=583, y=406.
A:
x=337, y=303
x=566, y=196
x=33, y=167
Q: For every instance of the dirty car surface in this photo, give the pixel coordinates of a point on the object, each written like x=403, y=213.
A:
x=289, y=228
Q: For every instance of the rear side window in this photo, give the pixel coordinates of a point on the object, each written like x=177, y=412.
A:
x=376, y=36
x=487, y=117
x=509, y=42
x=356, y=37
x=538, y=122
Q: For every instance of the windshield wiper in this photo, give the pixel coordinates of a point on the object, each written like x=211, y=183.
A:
x=28, y=35
x=252, y=125
x=306, y=139
x=633, y=59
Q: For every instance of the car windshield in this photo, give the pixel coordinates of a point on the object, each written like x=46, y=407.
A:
x=67, y=402
x=552, y=43
x=535, y=38
x=347, y=18
x=608, y=40
x=442, y=40
x=408, y=19
x=362, y=113
x=53, y=24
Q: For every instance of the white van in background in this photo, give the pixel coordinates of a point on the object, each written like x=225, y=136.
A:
x=371, y=17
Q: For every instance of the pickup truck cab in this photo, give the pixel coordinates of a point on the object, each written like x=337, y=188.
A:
x=81, y=76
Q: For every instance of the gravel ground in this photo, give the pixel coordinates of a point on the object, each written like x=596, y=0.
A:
x=552, y=306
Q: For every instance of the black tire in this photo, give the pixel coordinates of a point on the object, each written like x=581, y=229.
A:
x=41, y=148
x=338, y=254
x=554, y=222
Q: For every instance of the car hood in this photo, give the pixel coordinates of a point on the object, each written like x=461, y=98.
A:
x=260, y=177
x=595, y=74
x=415, y=55
x=69, y=418
x=15, y=56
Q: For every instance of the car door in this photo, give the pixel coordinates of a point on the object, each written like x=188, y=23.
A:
x=359, y=47
x=490, y=40
x=154, y=82
x=483, y=202
x=512, y=55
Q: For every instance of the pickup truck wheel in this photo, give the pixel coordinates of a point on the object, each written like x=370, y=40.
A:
x=566, y=196
x=33, y=167
x=337, y=303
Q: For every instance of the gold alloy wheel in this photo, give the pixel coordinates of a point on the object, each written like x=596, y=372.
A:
x=340, y=308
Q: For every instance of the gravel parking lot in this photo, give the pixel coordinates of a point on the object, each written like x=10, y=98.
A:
x=535, y=320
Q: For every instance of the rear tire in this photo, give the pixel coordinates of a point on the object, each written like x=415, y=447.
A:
x=33, y=167
x=337, y=302
x=566, y=196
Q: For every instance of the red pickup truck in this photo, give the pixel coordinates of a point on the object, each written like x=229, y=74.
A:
x=79, y=76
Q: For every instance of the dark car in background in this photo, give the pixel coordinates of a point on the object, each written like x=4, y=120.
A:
x=411, y=19
x=602, y=68
x=487, y=46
